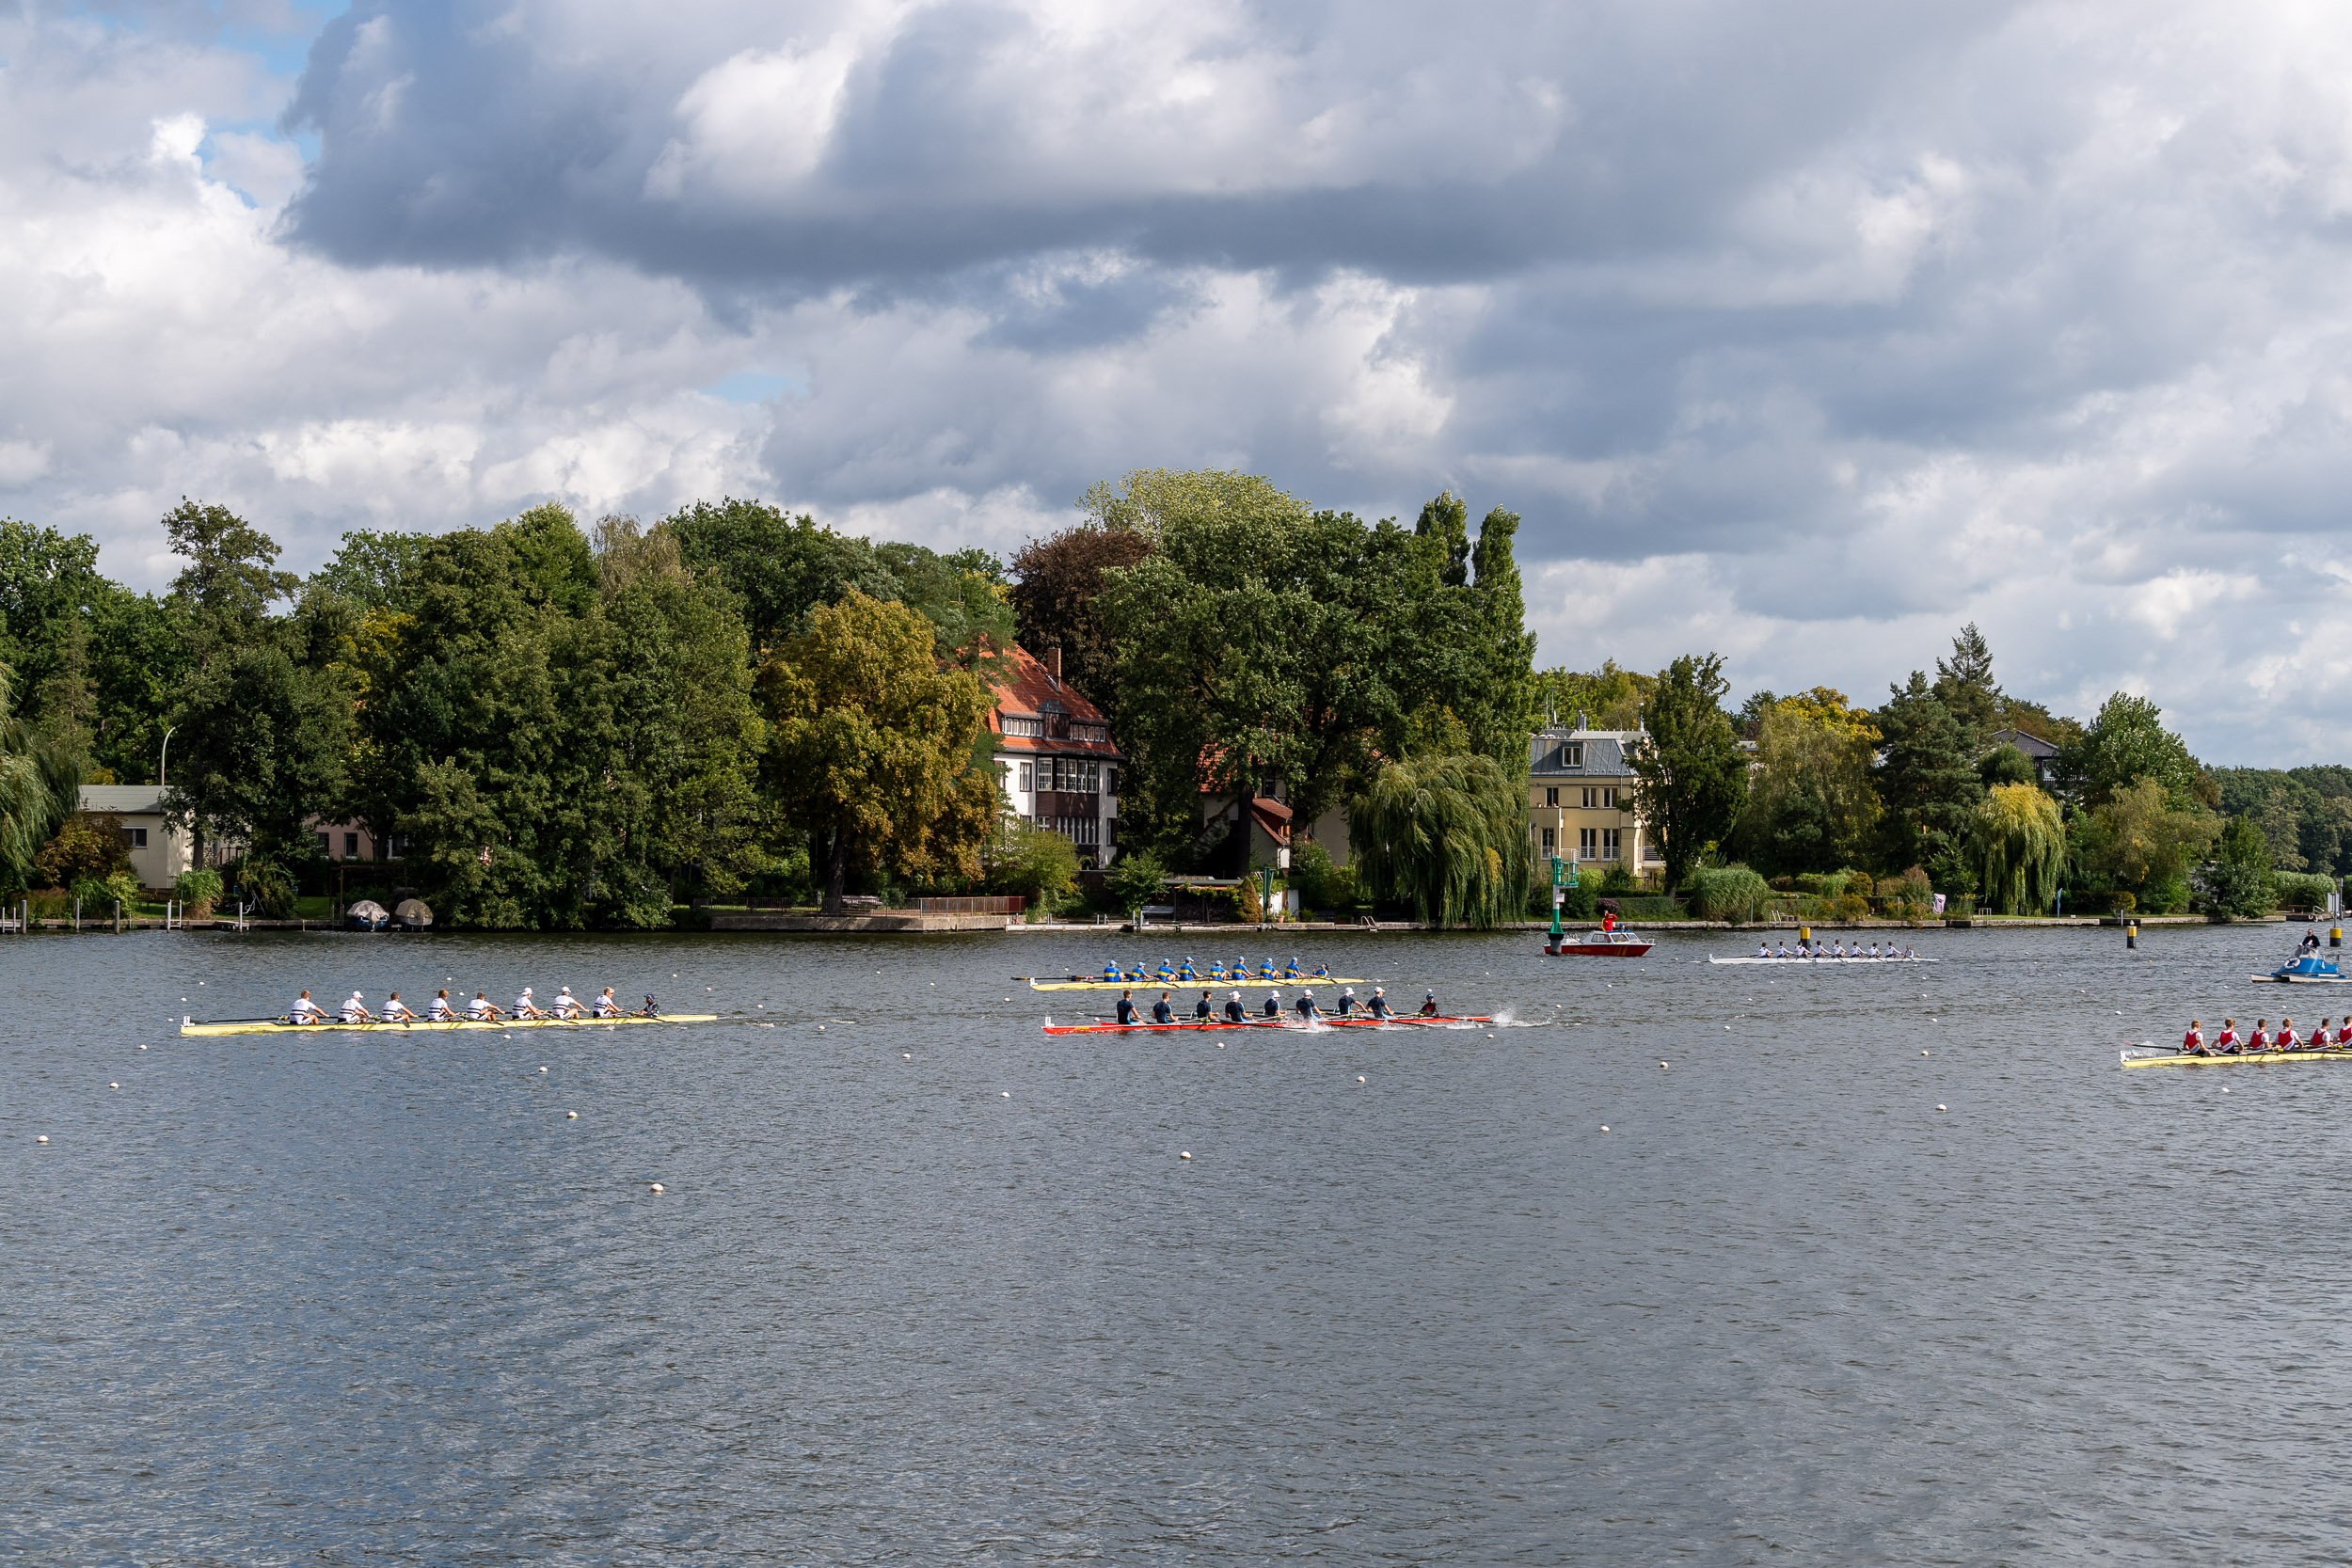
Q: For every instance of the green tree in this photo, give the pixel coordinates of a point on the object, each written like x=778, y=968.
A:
x=1811, y=806
x=2128, y=742
x=1039, y=864
x=872, y=743
x=88, y=847
x=964, y=596
x=2238, y=880
x=230, y=576
x=1057, y=599
x=1690, y=778
x=1446, y=836
x=39, y=788
x=782, y=567
x=2019, y=846
x=1926, y=783
x=1966, y=685
x=1149, y=500
x=2006, y=764
x=261, y=745
x=2148, y=845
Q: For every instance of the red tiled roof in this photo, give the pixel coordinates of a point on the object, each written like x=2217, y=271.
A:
x=1021, y=686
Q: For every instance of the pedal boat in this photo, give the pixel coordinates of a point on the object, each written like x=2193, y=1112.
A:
x=2308, y=969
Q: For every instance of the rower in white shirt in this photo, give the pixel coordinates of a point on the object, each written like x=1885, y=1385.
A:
x=305, y=1010
x=354, y=1010
x=482, y=1006
x=396, y=1011
x=605, y=1006
x=566, y=1005
x=439, y=1010
x=526, y=1007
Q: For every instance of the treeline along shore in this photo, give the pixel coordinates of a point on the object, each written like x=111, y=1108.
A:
x=546, y=726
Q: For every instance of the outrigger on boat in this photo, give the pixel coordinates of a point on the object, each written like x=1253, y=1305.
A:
x=1194, y=1025
x=281, y=1026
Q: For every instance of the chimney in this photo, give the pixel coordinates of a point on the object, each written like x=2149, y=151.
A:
x=1053, y=663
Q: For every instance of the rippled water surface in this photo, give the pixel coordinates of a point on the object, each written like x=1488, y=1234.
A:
x=926, y=1284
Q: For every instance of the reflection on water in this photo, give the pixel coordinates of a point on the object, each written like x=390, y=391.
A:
x=925, y=1284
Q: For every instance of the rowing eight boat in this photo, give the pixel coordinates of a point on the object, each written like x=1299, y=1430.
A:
x=1793, y=958
x=279, y=1026
x=2158, y=1056
x=1198, y=1026
x=1079, y=982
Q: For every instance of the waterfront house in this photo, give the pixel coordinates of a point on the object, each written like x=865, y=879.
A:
x=1055, y=759
x=1579, y=801
x=2038, y=752
x=159, y=852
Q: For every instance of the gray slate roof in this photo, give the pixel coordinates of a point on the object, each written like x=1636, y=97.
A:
x=131, y=800
x=1604, y=755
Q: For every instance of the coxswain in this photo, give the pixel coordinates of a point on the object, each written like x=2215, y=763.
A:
x=1378, y=1007
x=1234, y=1011
x=1305, y=1006
x=648, y=1010
x=526, y=1007
x=2226, y=1043
x=1910, y=954
x=305, y=1010
x=354, y=1010
x=1204, y=1008
x=566, y=1005
x=481, y=1008
x=439, y=1010
x=1273, y=1007
x=1126, y=1010
x=2260, y=1038
x=396, y=1011
x=605, y=1006
x=1347, y=1006
x=2193, y=1043
x=1429, y=1006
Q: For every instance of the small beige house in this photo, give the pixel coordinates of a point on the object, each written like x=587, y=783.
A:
x=158, y=852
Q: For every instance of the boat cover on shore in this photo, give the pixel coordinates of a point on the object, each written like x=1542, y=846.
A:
x=279, y=1026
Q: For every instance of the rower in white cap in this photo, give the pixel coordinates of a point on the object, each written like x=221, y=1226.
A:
x=1234, y=1011
x=526, y=1007
x=566, y=1005
x=354, y=1010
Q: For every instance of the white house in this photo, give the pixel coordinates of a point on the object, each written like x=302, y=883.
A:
x=1054, y=755
x=158, y=852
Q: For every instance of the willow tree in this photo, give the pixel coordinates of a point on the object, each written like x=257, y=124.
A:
x=871, y=745
x=39, y=787
x=1446, y=834
x=2018, y=844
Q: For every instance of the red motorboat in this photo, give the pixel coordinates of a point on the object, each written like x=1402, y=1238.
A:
x=1610, y=942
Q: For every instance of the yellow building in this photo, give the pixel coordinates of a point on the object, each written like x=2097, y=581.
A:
x=1580, y=802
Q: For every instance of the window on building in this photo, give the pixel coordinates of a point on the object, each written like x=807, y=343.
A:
x=1023, y=724
x=1552, y=840
x=1028, y=780
x=1587, y=843
x=1592, y=797
x=135, y=838
x=326, y=843
x=351, y=847
x=1609, y=799
x=1608, y=843
x=1572, y=755
x=1552, y=796
x=1110, y=776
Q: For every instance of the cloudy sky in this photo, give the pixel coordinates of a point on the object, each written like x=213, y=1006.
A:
x=1801, y=332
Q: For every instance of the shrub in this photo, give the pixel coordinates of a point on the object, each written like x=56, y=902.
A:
x=1852, y=905
x=90, y=846
x=1036, y=862
x=263, y=883
x=99, y=895
x=1134, y=880
x=1731, y=892
x=199, y=888
x=1616, y=880
x=2303, y=890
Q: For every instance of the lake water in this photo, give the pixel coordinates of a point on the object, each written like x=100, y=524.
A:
x=928, y=1285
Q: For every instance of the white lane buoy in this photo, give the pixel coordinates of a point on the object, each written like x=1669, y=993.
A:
x=114, y=1085
x=2225, y=1089
x=1604, y=1127
x=1183, y=1154
x=571, y=1115
x=1220, y=1045
x=543, y=1069
x=906, y=1055
x=1943, y=1108
x=820, y=1028
x=1008, y=1094
x=1359, y=1078
x=1661, y=1064
x=142, y=1048
x=42, y=1138
x=655, y=1187
x=1922, y=1052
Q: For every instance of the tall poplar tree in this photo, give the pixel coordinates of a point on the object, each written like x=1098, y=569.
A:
x=1690, y=778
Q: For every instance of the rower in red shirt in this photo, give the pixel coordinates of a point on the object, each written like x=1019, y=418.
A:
x=2286, y=1041
x=2226, y=1043
x=2193, y=1043
x=2259, y=1039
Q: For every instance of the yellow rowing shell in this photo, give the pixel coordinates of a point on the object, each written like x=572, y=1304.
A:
x=2181, y=1058
x=1073, y=983
x=270, y=1026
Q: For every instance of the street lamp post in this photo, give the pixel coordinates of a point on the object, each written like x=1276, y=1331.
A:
x=162, y=778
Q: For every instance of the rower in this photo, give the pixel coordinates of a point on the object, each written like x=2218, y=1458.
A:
x=1273, y=1007
x=439, y=1010
x=566, y=1005
x=1162, y=1012
x=2320, y=1039
x=1186, y=970
x=305, y=1010
x=480, y=1007
x=2343, y=1033
x=1378, y=1007
x=354, y=1010
x=1127, y=1013
x=1763, y=949
x=2286, y=1041
x=395, y=1012
x=526, y=1007
x=1110, y=970
x=605, y=1006
x=1204, y=1008
x=1784, y=949
x=1234, y=1011
x=1305, y=1006
x=2226, y=1042
x=2193, y=1043
x=1348, y=1007
x=1429, y=1006
x=1874, y=948
x=2259, y=1039
x=1292, y=972
x=1163, y=975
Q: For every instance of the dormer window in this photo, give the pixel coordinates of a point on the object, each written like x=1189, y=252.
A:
x=1572, y=755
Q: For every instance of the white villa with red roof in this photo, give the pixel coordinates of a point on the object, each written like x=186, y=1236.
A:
x=1055, y=759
